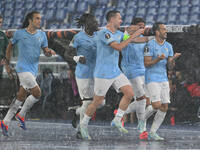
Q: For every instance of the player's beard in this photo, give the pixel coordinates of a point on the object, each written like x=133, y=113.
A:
x=36, y=26
x=165, y=36
x=117, y=26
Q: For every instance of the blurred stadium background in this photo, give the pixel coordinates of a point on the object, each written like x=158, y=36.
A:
x=60, y=14
x=56, y=74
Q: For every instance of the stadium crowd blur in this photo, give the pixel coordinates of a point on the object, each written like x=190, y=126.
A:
x=185, y=79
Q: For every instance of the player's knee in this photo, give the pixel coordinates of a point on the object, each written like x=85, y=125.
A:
x=128, y=92
x=129, y=95
x=37, y=94
x=21, y=97
x=97, y=101
x=156, y=105
x=164, y=107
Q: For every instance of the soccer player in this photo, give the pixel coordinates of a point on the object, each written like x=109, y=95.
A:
x=107, y=72
x=132, y=65
x=29, y=40
x=158, y=54
x=85, y=44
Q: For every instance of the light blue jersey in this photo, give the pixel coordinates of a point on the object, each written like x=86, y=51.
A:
x=158, y=71
x=132, y=63
x=29, y=46
x=86, y=46
x=107, y=57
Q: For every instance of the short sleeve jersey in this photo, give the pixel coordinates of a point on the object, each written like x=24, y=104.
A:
x=107, y=57
x=86, y=46
x=29, y=46
x=132, y=63
x=158, y=71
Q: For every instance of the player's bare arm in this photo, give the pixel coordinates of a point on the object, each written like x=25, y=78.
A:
x=123, y=44
x=148, y=61
x=143, y=39
x=171, y=60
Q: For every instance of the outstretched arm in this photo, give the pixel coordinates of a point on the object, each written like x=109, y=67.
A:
x=123, y=44
x=171, y=60
x=143, y=39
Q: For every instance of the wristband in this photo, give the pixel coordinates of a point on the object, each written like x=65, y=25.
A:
x=126, y=37
x=76, y=58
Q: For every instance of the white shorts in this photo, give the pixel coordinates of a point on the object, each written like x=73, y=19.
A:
x=139, y=87
x=101, y=86
x=85, y=87
x=159, y=91
x=27, y=80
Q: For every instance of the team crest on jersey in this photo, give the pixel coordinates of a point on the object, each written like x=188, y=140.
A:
x=166, y=49
x=39, y=39
x=107, y=35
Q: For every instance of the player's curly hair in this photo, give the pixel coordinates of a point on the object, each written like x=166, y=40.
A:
x=88, y=22
x=84, y=20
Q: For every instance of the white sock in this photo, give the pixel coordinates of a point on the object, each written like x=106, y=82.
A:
x=83, y=109
x=158, y=119
x=27, y=105
x=149, y=111
x=119, y=115
x=85, y=120
x=140, y=109
x=12, y=111
x=131, y=107
x=78, y=111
